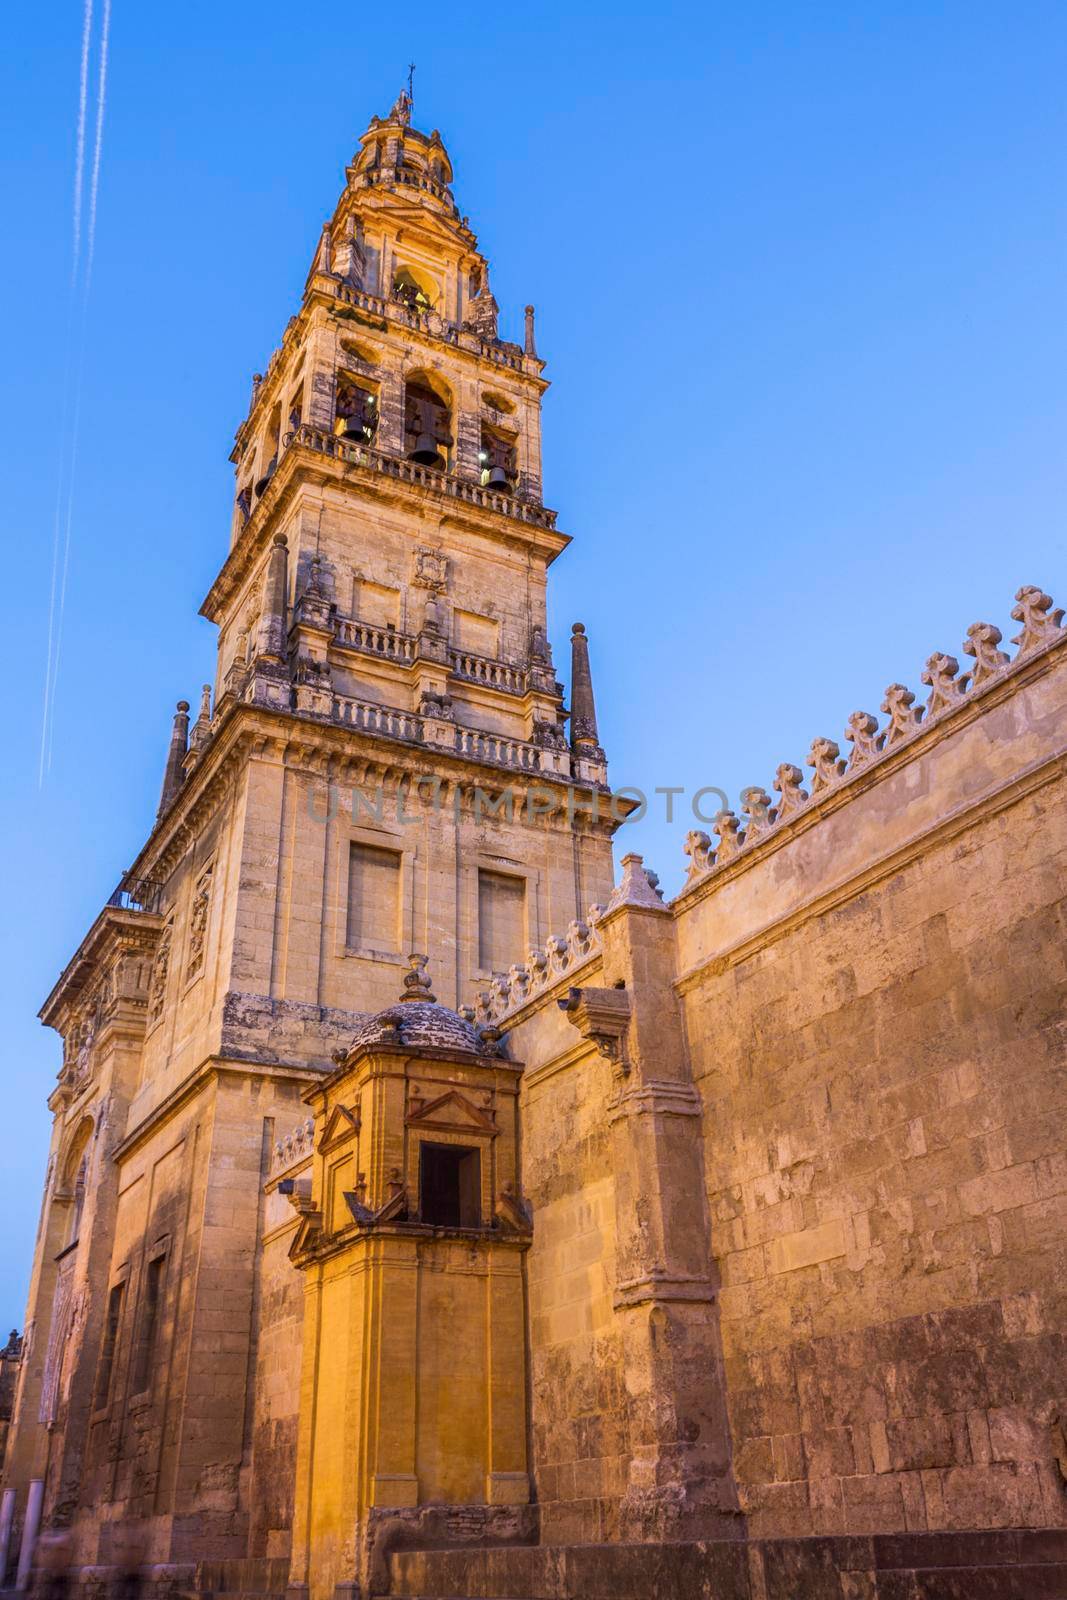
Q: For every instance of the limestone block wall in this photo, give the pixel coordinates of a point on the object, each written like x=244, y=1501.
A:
x=280, y=1298
x=874, y=999
x=872, y=981
x=580, y=1439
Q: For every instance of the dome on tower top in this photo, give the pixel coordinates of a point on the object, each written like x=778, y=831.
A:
x=417, y=1022
x=391, y=143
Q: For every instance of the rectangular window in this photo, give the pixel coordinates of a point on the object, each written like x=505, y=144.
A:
x=148, y=1333
x=373, y=898
x=450, y=1179
x=112, y=1323
x=501, y=921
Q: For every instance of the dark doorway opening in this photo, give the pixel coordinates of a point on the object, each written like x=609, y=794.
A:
x=450, y=1182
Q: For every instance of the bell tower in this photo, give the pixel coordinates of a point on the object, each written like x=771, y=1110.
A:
x=386, y=587
x=382, y=765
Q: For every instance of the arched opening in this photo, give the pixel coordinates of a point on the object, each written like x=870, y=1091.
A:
x=414, y=289
x=498, y=459
x=356, y=410
x=73, y=1180
x=270, y=450
x=427, y=423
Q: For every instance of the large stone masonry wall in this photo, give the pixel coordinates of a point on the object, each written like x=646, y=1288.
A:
x=580, y=1438
x=875, y=1010
x=872, y=978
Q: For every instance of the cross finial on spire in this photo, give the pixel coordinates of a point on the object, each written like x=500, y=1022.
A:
x=411, y=83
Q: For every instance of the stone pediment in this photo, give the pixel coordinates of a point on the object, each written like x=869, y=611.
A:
x=451, y=1112
x=341, y=1125
x=306, y=1236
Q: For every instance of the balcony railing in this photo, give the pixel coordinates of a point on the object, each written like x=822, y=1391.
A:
x=372, y=718
x=375, y=641
x=494, y=748
x=494, y=674
x=503, y=354
x=362, y=455
x=137, y=894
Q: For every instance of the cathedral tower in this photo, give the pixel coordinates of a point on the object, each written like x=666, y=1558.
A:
x=382, y=767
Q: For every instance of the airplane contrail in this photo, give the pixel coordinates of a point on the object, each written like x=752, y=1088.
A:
x=65, y=486
x=79, y=157
x=79, y=184
x=101, y=101
x=90, y=244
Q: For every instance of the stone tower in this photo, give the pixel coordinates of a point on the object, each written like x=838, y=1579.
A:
x=383, y=767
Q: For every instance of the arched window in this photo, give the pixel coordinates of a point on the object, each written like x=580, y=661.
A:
x=270, y=450
x=73, y=1180
x=427, y=423
x=356, y=410
x=413, y=290
x=498, y=459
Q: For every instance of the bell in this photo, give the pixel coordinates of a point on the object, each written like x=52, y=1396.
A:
x=426, y=452
x=498, y=479
x=258, y=488
x=353, y=430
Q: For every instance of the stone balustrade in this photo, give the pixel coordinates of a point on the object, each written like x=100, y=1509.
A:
x=484, y=670
x=372, y=639
x=398, y=467
x=375, y=641
x=430, y=322
x=495, y=749
x=369, y=717
x=1040, y=627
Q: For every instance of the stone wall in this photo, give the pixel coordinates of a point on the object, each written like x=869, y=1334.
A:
x=872, y=987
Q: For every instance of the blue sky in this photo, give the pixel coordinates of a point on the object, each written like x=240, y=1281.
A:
x=799, y=273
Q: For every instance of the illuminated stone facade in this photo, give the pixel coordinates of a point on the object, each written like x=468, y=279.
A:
x=605, y=1245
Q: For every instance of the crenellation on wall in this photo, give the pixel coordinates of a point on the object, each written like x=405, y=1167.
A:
x=1041, y=630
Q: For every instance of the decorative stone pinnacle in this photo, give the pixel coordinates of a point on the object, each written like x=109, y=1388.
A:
x=583, y=706
x=635, y=888
x=174, y=773
x=417, y=984
x=531, y=348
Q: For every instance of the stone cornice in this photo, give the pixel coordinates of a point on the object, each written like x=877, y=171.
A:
x=337, y=753
x=114, y=930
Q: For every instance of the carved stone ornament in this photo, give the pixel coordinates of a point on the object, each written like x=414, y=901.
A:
x=788, y=781
x=866, y=741
x=899, y=707
x=824, y=758
x=946, y=687
x=981, y=643
x=198, y=922
x=1039, y=624
x=157, y=990
x=698, y=848
x=728, y=828
x=603, y=1017
x=757, y=808
x=430, y=569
